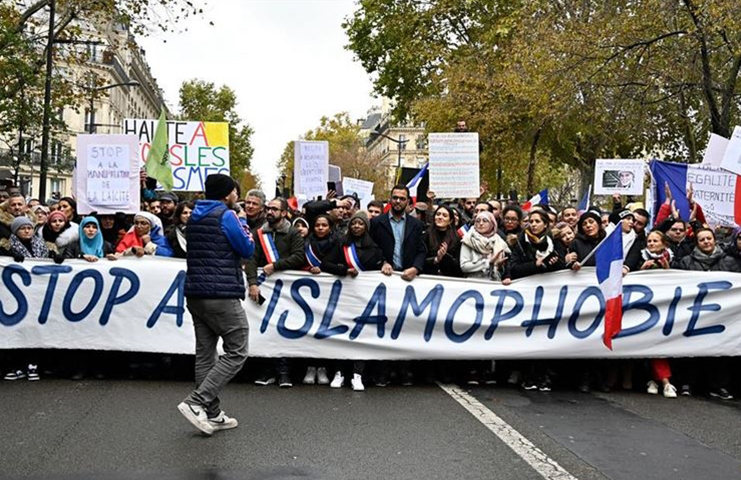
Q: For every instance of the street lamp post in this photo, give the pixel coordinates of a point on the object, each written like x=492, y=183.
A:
x=92, y=125
x=400, y=144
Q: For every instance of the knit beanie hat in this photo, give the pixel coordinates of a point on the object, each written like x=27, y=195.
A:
x=593, y=214
x=218, y=186
x=18, y=222
x=617, y=217
x=362, y=216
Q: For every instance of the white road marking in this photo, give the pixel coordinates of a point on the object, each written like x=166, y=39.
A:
x=535, y=457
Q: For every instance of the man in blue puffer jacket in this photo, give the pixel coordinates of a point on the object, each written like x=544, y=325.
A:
x=214, y=289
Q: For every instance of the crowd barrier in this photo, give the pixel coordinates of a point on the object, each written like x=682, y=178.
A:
x=138, y=305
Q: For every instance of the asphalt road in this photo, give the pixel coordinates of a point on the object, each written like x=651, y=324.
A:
x=117, y=429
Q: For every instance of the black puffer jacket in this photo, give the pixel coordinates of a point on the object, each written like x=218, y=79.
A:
x=716, y=262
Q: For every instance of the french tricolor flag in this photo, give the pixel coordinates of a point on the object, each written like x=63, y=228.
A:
x=586, y=200
x=538, y=198
x=609, y=261
x=414, y=182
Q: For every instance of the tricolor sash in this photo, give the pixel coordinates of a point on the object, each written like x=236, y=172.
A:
x=268, y=245
x=352, y=258
x=463, y=230
x=311, y=256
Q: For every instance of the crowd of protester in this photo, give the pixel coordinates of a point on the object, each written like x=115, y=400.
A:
x=479, y=238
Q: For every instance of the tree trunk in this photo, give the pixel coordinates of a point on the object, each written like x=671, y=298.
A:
x=531, y=163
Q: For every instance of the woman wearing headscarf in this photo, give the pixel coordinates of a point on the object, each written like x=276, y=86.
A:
x=41, y=213
x=145, y=238
x=23, y=244
x=175, y=233
x=59, y=231
x=443, y=245
x=91, y=246
x=355, y=253
x=483, y=252
x=302, y=226
x=483, y=255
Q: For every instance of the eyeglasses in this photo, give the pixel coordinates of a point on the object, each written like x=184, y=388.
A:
x=273, y=209
x=511, y=219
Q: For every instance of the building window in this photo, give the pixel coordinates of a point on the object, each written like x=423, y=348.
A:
x=421, y=143
x=57, y=151
x=402, y=142
x=57, y=185
x=27, y=146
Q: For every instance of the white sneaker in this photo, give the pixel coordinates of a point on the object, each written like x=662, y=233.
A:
x=321, y=376
x=15, y=375
x=222, y=422
x=337, y=381
x=196, y=415
x=33, y=373
x=357, y=382
x=653, y=388
x=310, y=377
x=670, y=391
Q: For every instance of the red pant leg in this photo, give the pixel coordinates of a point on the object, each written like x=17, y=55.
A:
x=660, y=369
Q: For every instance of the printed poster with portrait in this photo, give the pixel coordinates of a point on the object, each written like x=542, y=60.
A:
x=619, y=176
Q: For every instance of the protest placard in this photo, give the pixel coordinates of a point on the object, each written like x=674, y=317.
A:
x=107, y=174
x=197, y=149
x=715, y=191
x=715, y=150
x=732, y=155
x=454, y=164
x=362, y=188
x=618, y=176
x=310, y=169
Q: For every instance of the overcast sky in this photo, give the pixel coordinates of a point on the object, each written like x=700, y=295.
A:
x=284, y=58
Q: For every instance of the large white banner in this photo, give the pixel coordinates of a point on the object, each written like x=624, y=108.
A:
x=454, y=164
x=138, y=305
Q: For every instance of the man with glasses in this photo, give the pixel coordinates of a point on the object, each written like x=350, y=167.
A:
x=399, y=236
x=278, y=247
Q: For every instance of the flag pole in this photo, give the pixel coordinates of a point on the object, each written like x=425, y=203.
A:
x=586, y=259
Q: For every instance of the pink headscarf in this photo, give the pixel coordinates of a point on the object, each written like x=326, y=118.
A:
x=491, y=221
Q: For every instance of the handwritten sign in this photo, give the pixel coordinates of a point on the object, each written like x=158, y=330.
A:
x=107, y=174
x=311, y=168
x=454, y=164
x=362, y=188
x=197, y=149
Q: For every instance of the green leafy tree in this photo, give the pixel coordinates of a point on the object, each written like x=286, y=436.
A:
x=203, y=101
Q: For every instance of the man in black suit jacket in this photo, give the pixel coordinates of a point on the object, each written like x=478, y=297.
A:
x=400, y=237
